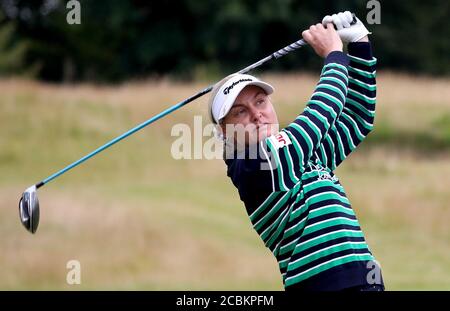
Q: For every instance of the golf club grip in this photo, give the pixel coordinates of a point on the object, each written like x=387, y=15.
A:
x=291, y=47
x=298, y=44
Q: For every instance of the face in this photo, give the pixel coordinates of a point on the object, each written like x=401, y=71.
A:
x=252, y=117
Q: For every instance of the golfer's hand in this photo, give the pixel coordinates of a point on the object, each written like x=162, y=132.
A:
x=347, y=31
x=323, y=39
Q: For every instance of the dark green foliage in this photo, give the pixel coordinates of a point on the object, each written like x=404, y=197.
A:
x=122, y=39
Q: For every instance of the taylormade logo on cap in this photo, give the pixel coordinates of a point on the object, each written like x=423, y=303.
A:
x=228, y=89
x=226, y=95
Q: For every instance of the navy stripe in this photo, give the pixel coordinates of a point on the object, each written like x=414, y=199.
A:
x=327, y=244
x=327, y=258
x=329, y=229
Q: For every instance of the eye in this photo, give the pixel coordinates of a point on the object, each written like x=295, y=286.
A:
x=260, y=101
x=239, y=112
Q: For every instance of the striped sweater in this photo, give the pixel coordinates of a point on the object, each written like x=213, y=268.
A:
x=297, y=205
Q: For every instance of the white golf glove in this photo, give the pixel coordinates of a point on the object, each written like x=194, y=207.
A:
x=346, y=31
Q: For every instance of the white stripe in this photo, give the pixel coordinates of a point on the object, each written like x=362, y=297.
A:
x=366, y=97
x=333, y=151
x=325, y=234
x=263, y=203
x=345, y=76
x=295, y=225
x=327, y=206
x=306, y=137
x=282, y=220
x=354, y=123
x=293, y=170
x=307, y=216
x=353, y=145
x=320, y=116
x=335, y=80
x=333, y=87
x=326, y=192
x=328, y=95
x=335, y=65
x=362, y=119
x=275, y=205
x=324, y=249
x=329, y=220
x=338, y=136
x=366, y=61
x=362, y=72
x=319, y=135
x=359, y=81
x=271, y=170
x=283, y=214
x=322, y=154
x=302, y=156
x=325, y=107
x=329, y=261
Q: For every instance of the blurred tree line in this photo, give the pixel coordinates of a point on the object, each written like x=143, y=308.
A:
x=123, y=39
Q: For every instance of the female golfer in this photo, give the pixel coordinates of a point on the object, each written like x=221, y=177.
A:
x=285, y=178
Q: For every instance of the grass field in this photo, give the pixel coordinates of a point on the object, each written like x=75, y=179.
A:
x=135, y=218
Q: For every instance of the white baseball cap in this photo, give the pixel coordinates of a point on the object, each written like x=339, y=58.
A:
x=230, y=89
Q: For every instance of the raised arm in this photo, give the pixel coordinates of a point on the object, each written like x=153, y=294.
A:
x=357, y=118
x=305, y=134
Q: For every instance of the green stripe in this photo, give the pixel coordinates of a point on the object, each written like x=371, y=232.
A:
x=278, y=231
x=283, y=264
x=312, y=125
x=350, y=143
x=332, y=88
x=334, y=208
x=297, y=148
x=272, y=211
x=319, y=116
x=333, y=154
x=353, y=123
x=323, y=154
x=340, y=147
x=335, y=263
x=270, y=227
x=363, y=73
x=330, y=223
x=325, y=252
x=367, y=100
x=335, y=65
x=329, y=97
x=363, y=85
x=359, y=119
x=325, y=78
x=364, y=109
x=274, y=152
x=293, y=229
x=306, y=138
x=328, y=237
x=326, y=107
x=362, y=61
x=263, y=206
x=290, y=164
x=339, y=73
x=298, y=212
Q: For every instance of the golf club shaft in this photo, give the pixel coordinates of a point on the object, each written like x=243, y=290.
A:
x=275, y=55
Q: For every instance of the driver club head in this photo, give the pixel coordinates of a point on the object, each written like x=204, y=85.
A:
x=29, y=209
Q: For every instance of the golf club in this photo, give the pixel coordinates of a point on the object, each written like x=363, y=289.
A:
x=29, y=203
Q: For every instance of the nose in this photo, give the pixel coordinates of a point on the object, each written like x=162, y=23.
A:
x=256, y=116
